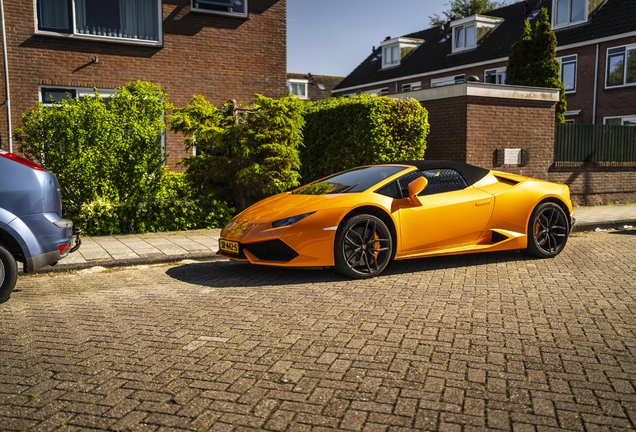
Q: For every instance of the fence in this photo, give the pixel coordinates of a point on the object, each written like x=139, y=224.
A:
x=594, y=143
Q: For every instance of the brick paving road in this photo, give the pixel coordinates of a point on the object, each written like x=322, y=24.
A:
x=494, y=341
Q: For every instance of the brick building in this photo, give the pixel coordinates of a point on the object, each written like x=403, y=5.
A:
x=221, y=49
x=311, y=87
x=596, y=49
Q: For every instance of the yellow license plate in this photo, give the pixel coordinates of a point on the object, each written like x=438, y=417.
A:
x=229, y=246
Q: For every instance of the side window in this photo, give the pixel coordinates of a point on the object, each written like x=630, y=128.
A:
x=439, y=181
x=443, y=180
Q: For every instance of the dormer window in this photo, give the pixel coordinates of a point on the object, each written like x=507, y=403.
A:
x=394, y=50
x=465, y=37
x=569, y=12
x=469, y=31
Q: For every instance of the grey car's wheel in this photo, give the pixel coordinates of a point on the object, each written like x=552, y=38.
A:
x=548, y=231
x=363, y=247
x=8, y=274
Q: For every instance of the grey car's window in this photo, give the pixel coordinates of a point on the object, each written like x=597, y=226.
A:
x=355, y=180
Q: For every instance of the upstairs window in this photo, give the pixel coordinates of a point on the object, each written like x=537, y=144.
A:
x=222, y=7
x=621, y=66
x=468, y=32
x=495, y=76
x=412, y=86
x=568, y=73
x=136, y=21
x=391, y=55
x=298, y=88
x=567, y=12
x=394, y=50
x=439, y=82
x=465, y=37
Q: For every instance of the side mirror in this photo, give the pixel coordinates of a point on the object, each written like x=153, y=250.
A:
x=415, y=187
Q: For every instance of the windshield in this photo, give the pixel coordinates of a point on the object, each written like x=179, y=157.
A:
x=355, y=180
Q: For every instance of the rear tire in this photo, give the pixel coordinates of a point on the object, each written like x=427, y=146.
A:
x=8, y=274
x=548, y=231
x=363, y=247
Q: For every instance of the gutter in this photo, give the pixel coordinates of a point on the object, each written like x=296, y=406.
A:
x=6, y=76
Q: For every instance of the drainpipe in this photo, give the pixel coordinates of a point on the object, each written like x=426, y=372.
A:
x=6, y=75
x=595, y=86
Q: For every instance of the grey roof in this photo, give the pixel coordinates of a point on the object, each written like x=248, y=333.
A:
x=435, y=53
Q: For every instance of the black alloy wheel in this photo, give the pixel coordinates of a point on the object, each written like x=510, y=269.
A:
x=8, y=274
x=363, y=247
x=548, y=231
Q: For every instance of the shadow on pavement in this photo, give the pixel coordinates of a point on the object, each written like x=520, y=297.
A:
x=628, y=232
x=229, y=274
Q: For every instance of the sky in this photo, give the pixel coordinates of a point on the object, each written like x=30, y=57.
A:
x=332, y=37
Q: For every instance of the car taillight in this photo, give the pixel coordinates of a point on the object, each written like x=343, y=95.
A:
x=21, y=160
x=63, y=248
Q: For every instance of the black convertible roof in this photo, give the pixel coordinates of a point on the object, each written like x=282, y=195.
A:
x=471, y=173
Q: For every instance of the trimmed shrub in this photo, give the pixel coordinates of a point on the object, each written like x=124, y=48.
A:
x=342, y=133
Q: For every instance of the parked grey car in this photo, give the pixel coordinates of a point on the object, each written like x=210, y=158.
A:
x=32, y=230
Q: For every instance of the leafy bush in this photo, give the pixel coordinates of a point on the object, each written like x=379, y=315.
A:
x=246, y=152
x=342, y=133
x=107, y=157
x=176, y=206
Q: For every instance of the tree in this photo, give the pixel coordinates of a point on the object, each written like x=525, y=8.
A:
x=532, y=61
x=463, y=8
x=253, y=149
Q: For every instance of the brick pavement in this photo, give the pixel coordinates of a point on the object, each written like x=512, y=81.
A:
x=489, y=341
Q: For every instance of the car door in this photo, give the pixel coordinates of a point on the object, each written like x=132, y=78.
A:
x=450, y=213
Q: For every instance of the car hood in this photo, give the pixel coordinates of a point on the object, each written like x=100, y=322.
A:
x=285, y=205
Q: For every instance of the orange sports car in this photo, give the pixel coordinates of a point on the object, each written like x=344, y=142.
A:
x=359, y=220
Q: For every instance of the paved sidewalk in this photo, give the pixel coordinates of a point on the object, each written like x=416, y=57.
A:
x=153, y=248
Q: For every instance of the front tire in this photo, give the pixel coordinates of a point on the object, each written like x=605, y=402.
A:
x=548, y=231
x=363, y=247
x=8, y=274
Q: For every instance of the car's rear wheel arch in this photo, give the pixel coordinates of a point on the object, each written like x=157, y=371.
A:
x=380, y=214
x=556, y=201
x=11, y=245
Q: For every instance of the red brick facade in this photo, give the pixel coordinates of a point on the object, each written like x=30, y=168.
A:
x=220, y=57
x=471, y=128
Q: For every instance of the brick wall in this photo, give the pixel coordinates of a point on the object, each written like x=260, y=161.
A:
x=219, y=57
x=471, y=128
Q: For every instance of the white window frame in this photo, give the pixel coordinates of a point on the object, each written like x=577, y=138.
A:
x=292, y=81
x=412, y=86
x=378, y=92
x=449, y=80
x=197, y=7
x=464, y=37
x=74, y=33
x=79, y=92
x=624, y=119
x=625, y=49
x=566, y=60
x=498, y=72
x=569, y=21
x=391, y=55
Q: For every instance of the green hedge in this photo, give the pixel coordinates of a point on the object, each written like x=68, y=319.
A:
x=177, y=205
x=342, y=133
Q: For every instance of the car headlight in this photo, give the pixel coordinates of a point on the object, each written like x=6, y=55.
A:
x=290, y=220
